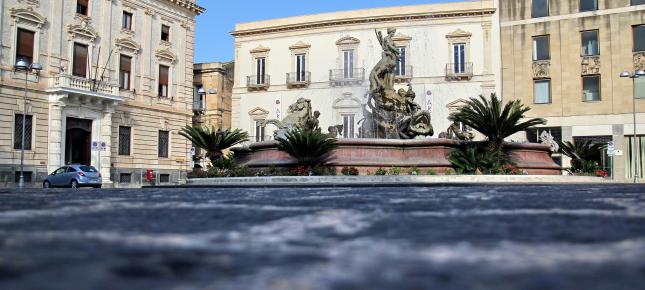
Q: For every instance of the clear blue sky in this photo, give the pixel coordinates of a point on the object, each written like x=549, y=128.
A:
x=214, y=43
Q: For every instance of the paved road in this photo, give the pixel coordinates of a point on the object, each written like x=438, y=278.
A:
x=486, y=237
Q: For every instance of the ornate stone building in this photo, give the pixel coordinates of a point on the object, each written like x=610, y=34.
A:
x=564, y=58
x=118, y=72
x=448, y=55
x=212, y=107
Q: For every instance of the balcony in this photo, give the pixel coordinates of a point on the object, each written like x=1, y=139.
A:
x=76, y=87
x=298, y=80
x=258, y=82
x=404, y=75
x=341, y=77
x=459, y=71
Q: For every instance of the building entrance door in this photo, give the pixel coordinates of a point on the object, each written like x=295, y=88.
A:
x=78, y=138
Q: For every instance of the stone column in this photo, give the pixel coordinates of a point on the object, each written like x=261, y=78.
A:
x=55, y=134
x=567, y=135
x=618, y=165
x=486, y=27
x=106, y=135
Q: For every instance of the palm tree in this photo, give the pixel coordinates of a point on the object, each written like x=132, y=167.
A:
x=309, y=147
x=581, y=154
x=213, y=141
x=496, y=122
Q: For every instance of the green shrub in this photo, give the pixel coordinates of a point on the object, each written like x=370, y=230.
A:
x=431, y=172
x=309, y=147
x=349, y=171
x=476, y=158
x=213, y=141
x=414, y=171
x=394, y=171
x=380, y=171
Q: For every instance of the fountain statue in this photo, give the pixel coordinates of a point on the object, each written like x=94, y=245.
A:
x=299, y=115
x=391, y=114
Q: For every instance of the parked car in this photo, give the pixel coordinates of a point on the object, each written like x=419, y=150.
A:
x=74, y=176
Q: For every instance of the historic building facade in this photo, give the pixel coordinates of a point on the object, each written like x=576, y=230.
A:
x=564, y=59
x=448, y=55
x=212, y=94
x=116, y=86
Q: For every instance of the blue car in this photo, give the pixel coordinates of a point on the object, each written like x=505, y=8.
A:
x=74, y=176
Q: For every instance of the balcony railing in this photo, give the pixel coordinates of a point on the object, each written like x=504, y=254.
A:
x=403, y=75
x=344, y=77
x=84, y=85
x=459, y=71
x=258, y=82
x=298, y=79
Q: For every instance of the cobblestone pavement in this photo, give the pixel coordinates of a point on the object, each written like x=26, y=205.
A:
x=473, y=237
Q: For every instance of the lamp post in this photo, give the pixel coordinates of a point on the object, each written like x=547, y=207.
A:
x=23, y=65
x=634, y=75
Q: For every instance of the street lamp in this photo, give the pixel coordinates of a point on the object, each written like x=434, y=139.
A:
x=23, y=65
x=634, y=75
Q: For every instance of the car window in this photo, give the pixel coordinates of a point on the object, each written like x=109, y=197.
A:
x=60, y=170
x=90, y=169
x=71, y=169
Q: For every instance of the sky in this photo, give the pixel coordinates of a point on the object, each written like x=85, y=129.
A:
x=213, y=41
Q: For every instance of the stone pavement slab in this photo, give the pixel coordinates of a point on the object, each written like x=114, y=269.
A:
x=567, y=237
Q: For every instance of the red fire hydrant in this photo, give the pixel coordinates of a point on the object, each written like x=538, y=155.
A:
x=150, y=176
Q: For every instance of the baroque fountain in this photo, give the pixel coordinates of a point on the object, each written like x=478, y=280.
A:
x=394, y=132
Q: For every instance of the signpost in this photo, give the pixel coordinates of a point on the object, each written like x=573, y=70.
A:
x=611, y=152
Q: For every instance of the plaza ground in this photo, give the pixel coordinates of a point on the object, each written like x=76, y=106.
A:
x=378, y=238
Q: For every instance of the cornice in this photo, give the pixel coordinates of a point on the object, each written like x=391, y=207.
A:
x=190, y=5
x=365, y=20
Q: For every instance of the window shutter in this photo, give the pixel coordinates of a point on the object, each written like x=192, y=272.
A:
x=25, y=45
x=80, y=60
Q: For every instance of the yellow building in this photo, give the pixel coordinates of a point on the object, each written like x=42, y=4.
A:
x=213, y=91
x=564, y=59
x=115, y=74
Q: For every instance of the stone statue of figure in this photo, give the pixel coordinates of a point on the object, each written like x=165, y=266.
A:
x=382, y=76
x=455, y=132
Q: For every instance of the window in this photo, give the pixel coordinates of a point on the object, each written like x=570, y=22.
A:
x=125, y=178
x=127, y=20
x=81, y=7
x=27, y=175
x=541, y=48
x=639, y=37
x=80, y=60
x=163, y=80
x=17, y=131
x=459, y=57
x=301, y=72
x=542, y=92
x=165, y=32
x=125, y=69
x=25, y=46
x=125, y=135
x=400, y=66
x=588, y=5
x=199, y=100
x=590, y=43
x=638, y=2
x=259, y=130
x=639, y=88
x=348, y=63
x=591, y=88
x=540, y=8
x=164, y=137
x=348, y=126
x=164, y=178
x=260, y=70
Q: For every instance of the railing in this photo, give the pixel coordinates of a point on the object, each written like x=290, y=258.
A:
x=347, y=76
x=459, y=70
x=298, y=78
x=258, y=81
x=84, y=84
x=403, y=75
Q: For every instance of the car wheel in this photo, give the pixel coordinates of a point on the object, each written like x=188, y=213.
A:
x=46, y=184
x=74, y=184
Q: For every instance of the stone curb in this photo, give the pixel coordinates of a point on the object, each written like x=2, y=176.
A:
x=407, y=180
